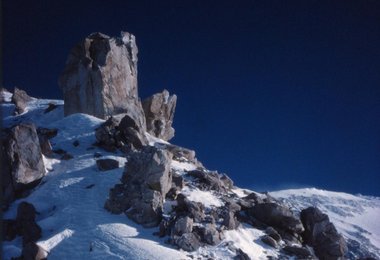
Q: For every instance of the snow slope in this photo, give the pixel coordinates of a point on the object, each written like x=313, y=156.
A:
x=75, y=225
x=356, y=217
x=70, y=201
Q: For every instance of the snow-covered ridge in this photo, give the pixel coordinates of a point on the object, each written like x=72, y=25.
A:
x=75, y=225
x=355, y=216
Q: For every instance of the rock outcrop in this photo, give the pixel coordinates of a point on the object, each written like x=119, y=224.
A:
x=100, y=77
x=44, y=134
x=124, y=131
x=277, y=216
x=159, y=112
x=145, y=182
x=107, y=164
x=23, y=165
x=322, y=235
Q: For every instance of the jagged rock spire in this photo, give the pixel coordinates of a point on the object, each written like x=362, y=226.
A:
x=100, y=76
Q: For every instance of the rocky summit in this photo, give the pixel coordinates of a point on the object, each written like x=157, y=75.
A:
x=100, y=76
x=94, y=177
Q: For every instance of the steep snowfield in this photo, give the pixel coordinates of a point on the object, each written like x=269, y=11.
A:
x=356, y=217
x=71, y=214
x=75, y=225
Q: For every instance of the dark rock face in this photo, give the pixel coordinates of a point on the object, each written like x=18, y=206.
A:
x=108, y=135
x=47, y=132
x=273, y=234
x=277, y=216
x=230, y=221
x=300, y=252
x=100, y=77
x=132, y=129
x=23, y=165
x=50, y=108
x=195, y=210
x=241, y=255
x=181, y=154
x=183, y=225
x=188, y=242
x=209, y=234
x=145, y=182
x=20, y=99
x=121, y=131
x=269, y=241
x=321, y=234
x=107, y=164
x=44, y=134
x=208, y=180
x=159, y=112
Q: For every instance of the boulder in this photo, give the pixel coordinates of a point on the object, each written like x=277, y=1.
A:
x=183, y=225
x=188, y=242
x=47, y=132
x=100, y=77
x=45, y=145
x=277, y=216
x=159, y=112
x=269, y=241
x=180, y=152
x=209, y=234
x=106, y=134
x=147, y=211
x=51, y=107
x=177, y=181
x=107, y=164
x=23, y=166
x=151, y=166
x=322, y=235
x=208, y=180
x=20, y=99
x=67, y=156
x=241, y=255
x=230, y=221
x=195, y=210
x=300, y=252
x=44, y=134
x=145, y=182
x=120, y=130
x=132, y=136
x=273, y=234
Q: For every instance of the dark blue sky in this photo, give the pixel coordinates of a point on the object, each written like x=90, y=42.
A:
x=274, y=93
